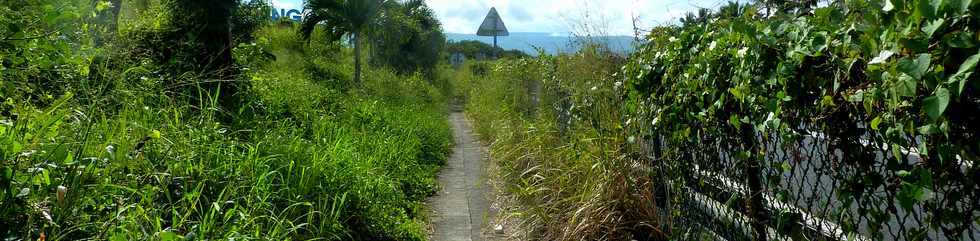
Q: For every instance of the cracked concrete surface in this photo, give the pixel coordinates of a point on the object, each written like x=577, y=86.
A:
x=459, y=210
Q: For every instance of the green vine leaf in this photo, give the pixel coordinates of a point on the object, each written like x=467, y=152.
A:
x=916, y=68
x=961, y=40
x=906, y=86
x=959, y=6
x=963, y=75
x=875, y=123
x=931, y=27
x=928, y=8
x=936, y=105
x=910, y=194
x=928, y=129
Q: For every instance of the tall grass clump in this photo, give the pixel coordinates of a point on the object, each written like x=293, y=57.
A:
x=554, y=127
x=302, y=158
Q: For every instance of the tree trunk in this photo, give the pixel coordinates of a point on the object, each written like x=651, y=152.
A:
x=357, y=56
x=114, y=10
x=108, y=18
x=208, y=23
x=216, y=36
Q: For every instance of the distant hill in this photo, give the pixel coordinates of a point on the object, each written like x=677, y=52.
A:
x=550, y=43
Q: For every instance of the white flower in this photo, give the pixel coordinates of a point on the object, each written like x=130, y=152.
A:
x=742, y=52
x=882, y=57
x=28, y=153
x=672, y=39
x=712, y=45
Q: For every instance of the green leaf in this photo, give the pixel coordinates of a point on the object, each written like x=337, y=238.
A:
x=970, y=64
x=962, y=77
x=923, y=149
x=903, y=173
x=916, y=68
x=118, y=237
x=906, y=86
x=875, y=123
x=42, y=178
x=155, y=134
x=961, y=80
x=827, y=101
x=16, y=147
x=928, y=8
x=928, y=129
x=7, y=174
x=60, y=154
x=958, y=6
x=911, y=194
x=897, y=152
x=931, y=27
x=934, y=106
x=733, y=120
x=960, y=40
x=169, y=236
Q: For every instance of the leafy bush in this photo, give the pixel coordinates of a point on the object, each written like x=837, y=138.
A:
x=408, y=39
x=40, y=60
x=301, y=161
x=870, y=78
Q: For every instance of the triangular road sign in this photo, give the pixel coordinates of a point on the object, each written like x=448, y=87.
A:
x=492, y=25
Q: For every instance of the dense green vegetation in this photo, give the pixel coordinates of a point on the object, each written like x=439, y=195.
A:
x=875, y=80
x=473, y=49
x=169, y=127
x=188, y=120
x=606, y=151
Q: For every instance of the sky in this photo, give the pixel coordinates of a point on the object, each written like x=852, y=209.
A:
x=557, y=17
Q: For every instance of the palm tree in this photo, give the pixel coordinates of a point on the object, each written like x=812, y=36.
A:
x=342, y=18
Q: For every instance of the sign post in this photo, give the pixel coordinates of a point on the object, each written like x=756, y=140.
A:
x=493, y=26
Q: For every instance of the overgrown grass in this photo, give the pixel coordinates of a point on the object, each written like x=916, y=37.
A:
x=305, y=160
x=554, y=125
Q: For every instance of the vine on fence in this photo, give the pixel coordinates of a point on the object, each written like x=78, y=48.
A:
x=888, y=86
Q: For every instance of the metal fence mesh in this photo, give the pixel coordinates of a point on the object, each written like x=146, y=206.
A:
x=815, y=186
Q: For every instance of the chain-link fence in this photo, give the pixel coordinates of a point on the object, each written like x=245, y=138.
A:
x=811, y=185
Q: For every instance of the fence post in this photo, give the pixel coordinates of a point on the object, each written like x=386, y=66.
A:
x=753, y=171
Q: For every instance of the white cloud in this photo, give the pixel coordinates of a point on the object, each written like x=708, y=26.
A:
x=556, y=16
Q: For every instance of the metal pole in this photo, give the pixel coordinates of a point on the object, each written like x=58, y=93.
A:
x=495, y=46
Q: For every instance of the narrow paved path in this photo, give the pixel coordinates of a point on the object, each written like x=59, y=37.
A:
x=458, y=211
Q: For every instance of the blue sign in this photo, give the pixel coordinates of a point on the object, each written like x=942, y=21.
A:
x=292, y=14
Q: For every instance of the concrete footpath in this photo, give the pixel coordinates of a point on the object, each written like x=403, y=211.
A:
x=459, y=210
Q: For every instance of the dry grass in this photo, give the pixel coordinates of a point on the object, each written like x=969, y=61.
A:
x=563, y=178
